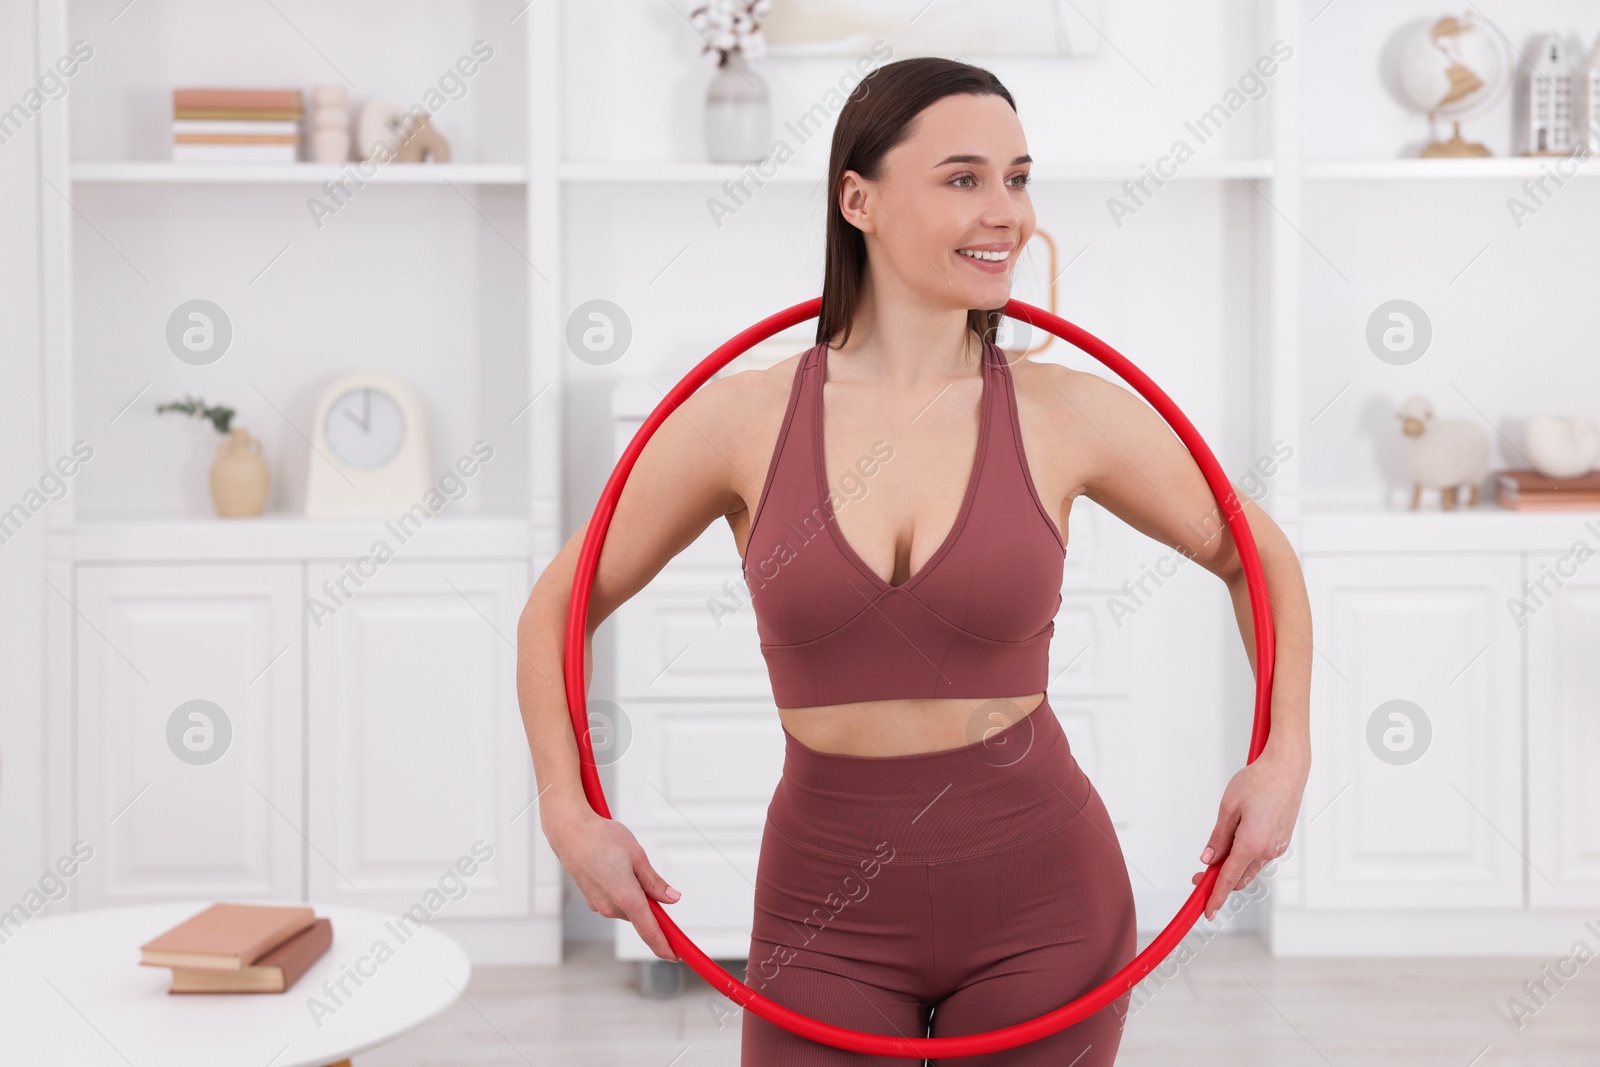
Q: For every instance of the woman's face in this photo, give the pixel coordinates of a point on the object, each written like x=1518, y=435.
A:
x=957, y=182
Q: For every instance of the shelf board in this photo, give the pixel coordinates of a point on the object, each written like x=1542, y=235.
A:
x=310, y=173
x=652, y=172
x=283, y=536
x=1346, y=527
x=1387, y=169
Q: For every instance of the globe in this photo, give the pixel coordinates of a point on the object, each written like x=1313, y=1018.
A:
x=1453, y=68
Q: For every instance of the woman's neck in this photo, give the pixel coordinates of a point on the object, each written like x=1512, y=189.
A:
x=911, y=350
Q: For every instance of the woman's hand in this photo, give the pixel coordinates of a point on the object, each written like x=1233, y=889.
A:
x=1255, y=820
x=610, y=868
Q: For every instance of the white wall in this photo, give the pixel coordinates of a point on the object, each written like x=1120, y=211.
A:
x=22, y=462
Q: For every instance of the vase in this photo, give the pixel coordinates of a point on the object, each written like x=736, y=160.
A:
x=738, y=123
x=239, y=476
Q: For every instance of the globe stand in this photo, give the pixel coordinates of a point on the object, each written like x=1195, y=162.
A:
x=1456, y=147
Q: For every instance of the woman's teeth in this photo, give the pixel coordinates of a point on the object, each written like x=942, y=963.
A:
x=992, y=257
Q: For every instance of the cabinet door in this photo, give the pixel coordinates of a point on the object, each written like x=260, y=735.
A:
x=1414, y=798
x=691, y=632
x=716, y=871
x=421, y=785
x=1563, y=633
x=189, y=732
x=689, y=766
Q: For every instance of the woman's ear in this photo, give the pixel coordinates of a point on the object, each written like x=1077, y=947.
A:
x=853, y=197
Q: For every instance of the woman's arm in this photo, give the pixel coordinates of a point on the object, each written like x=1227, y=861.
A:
x=684, y=478
x=1138, y=469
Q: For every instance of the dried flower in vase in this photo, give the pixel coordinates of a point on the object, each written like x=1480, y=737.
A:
x=731, y=26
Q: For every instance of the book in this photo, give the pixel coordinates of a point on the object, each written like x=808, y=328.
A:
x=251, y=126
x=253, y=99
x=236, y=138
x=226, y=936
x=235, y=153
x=238, y=114
x=1529, y=490
x=273, y=973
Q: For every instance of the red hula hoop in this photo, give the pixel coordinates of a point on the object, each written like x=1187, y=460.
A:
x=1119, y=983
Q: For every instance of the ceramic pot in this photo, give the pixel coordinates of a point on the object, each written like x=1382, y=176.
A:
x=738, y=122
x=240, y=479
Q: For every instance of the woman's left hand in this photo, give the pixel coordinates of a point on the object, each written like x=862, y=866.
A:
x=1255, y=820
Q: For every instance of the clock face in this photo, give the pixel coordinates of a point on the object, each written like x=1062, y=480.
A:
x=365, y=427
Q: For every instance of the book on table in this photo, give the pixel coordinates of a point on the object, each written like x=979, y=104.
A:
x=230, y=947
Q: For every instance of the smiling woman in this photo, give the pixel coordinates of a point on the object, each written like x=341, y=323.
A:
x=907, y=636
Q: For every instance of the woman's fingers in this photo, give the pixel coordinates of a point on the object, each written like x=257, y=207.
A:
x=1222, y=835
x=1251, y=848
x=638, y=911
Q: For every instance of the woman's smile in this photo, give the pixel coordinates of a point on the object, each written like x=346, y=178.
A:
x=990, y=258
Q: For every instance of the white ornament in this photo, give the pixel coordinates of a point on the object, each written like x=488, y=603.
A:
x=1561, y=446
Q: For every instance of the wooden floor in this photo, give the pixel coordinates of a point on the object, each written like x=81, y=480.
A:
x=1232, y=1004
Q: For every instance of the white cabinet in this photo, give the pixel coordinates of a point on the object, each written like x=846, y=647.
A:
x=189, y=745
x=417, y=759
x=1563, y=634
x=1454, y=714
x=1417, y=733
x=359, y=742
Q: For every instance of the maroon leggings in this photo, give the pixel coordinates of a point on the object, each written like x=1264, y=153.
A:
x=937, y=894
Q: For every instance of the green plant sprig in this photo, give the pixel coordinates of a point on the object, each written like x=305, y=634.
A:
x=219, y=415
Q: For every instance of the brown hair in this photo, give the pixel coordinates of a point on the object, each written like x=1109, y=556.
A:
x=876, y=117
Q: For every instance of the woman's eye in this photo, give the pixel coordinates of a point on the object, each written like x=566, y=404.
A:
x=1020, y=180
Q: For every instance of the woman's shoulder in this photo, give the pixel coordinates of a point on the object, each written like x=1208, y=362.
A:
x=1067, y=392
x=746, y=399
x=741, y=413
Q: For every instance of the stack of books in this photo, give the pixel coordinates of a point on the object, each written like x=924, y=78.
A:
x=240, y=948
x=1528, y=490
x=236, y=125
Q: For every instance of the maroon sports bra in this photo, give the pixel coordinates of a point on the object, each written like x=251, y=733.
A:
x=975, y=620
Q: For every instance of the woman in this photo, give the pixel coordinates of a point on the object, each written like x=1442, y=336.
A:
x=934, y=862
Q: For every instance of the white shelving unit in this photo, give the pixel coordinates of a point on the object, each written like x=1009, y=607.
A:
x=130, y=559
x=524, y=366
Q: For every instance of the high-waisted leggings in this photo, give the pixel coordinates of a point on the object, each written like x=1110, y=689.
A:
x=940, y=893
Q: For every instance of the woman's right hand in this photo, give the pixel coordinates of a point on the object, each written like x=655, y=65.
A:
x=611, y=870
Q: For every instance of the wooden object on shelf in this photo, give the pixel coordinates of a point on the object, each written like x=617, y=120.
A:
x=328, y=135
x=420, y=142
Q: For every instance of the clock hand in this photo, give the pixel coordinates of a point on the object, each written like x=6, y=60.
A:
x=352, y=417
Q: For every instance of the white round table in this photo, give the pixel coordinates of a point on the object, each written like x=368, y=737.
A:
x=72, y=992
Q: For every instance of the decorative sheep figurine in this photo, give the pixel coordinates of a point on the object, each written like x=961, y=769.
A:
x=1445, y=453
